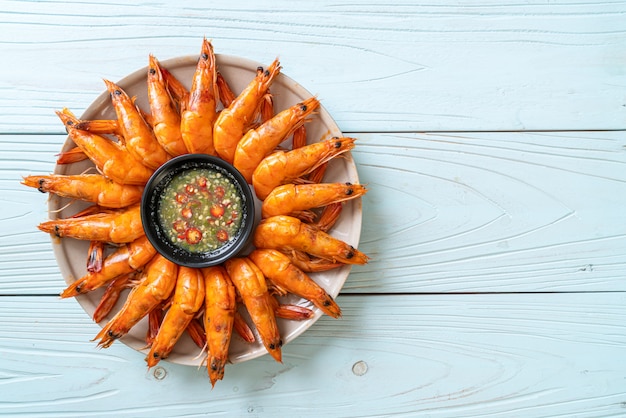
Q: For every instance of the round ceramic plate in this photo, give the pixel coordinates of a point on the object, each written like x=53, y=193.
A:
x=71, y=254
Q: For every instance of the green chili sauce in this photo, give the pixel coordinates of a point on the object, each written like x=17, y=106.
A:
x=200, y=210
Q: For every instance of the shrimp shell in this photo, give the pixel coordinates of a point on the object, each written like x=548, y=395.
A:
x=286, y=233
x=219, y=319
x=284, y=167
x=278, y=268
x=250, y=283
x=94, y=188
x=187, y=300
x=116, y=226
x=233, y=121
x=156, y=285
x=259, y=142
x=289, y=198
x=200, y=112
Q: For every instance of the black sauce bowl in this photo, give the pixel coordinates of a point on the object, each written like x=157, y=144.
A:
x=151, y=201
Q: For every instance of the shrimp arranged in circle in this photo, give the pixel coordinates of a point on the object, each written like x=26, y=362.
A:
x=292, y=242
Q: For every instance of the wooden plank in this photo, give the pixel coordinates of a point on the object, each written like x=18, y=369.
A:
x=488, y=65
x=442, y=355
x=462, y=212
x=492, y=212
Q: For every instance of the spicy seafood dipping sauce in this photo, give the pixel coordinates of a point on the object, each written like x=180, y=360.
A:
x=200, y=210
x=197, y=210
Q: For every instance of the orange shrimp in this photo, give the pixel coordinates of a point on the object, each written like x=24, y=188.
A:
x=165, y=116
x=112, y=295
x=294, y=198
x=88, y=187
x=219, y=317
x=277, y=267
x=250, y=283
x=155, y=286
x=116, y=226
x=110, y=158
x=283, y=167
x=286, y=233
x=138, y=136
x=259, y=142
x=126, y=259
x=201, y=110
x=236, y=119
x=186, y=302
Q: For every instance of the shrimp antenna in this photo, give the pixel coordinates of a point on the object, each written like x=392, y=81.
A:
x=63, y=207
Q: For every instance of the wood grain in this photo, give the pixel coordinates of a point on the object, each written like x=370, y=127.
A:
x=446, y=212
x=492, y=212
x=404, y=67
x=492, y=136
x=442, y=355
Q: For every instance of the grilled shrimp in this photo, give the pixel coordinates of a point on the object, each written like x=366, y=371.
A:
x=295, y=198
x=236, y=119
x=259, y=142
x=156, y=285
x=219, y=317
x=278, y=268
x=126, y=259
x=165, y=116
x=138, y=136
x=186, y=302
x=286, y=233
x=283, y=167
x=93, y=188
x=116, y=226
x=252, y=288
x=201, y=110
x=110, y=158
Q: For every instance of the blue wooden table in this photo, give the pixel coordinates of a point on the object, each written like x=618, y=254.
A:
x=492, y=137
